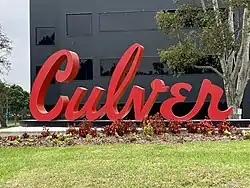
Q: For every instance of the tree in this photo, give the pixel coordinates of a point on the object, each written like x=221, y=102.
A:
x=18, y=102
x=5, y=51
x=3, y=103
x=206, y=30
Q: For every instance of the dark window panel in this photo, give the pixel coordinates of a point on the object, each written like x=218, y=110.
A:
x=86, y=70
x=127, y=21
x=45, y=36
x=79, y=24
x=153, y=66
x=149, y=66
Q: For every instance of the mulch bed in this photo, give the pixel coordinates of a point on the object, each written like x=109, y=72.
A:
x=70, y=140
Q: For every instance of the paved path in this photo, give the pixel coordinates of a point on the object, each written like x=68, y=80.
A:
x=17, y=131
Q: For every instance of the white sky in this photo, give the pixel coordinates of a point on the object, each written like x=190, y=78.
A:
x=14, y=17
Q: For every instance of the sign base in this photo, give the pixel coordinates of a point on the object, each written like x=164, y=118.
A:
x=244, y=123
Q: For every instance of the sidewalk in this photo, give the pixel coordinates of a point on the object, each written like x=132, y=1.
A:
x=17, y=131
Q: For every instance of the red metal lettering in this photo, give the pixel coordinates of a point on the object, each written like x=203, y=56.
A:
x=207, y=88
x=43, y=80
x=122, y=77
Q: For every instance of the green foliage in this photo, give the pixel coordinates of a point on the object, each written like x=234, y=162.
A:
x=15, y=101
x=171, y=23
x=5, y=51
x=3, y=103
x=246, y=135
x=216, y=39
x=181, y=56
x=148, y=130
x=199, y=33
x=238, y=3
x=18, y=100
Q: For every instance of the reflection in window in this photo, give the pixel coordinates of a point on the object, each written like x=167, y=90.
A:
x=86, y=70
x=45, y=36
x=153, y=66
x=149, y=66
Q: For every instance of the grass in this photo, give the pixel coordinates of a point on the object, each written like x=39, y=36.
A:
x=206, y=164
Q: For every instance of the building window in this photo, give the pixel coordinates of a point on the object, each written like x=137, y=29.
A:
x=79, y=24
x=86, y=70
x=45, y=36
x=149, y=66
x=127, y=21
x=153, y=66
x=38, y=68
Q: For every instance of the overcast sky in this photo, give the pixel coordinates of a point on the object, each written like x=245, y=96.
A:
x=14, y=16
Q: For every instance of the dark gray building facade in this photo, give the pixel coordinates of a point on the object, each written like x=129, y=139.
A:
x=100, y=31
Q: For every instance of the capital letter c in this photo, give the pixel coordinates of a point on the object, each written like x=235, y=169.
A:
x=44, y=78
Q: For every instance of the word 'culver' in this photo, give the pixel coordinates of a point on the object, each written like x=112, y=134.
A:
x=122, y=77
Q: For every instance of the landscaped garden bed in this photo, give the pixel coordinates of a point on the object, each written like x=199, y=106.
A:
x=152, y=130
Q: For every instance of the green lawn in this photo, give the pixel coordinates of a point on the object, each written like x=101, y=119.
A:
x=208, y=164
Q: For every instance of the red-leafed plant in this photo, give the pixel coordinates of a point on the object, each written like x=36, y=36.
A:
x=225, y=127
x=72, y=130
x=25, y=135
x=120, y=127
x=54, y=135
x=192, y=127
x=174, y=127
x=156, y=122
x=12, y=138
x=45, y=133
x=207, y=127
x=86, y=129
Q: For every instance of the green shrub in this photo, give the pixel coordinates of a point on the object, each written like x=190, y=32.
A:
x=148, y=130
x=246, y=135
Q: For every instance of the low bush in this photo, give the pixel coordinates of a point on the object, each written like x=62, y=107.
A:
x=156, y=122
x=120, y=127
x=12, y=138
x=193, y=127
x=246, y=135
x=25, y=135
x=72, y=130
x=45, y=133
x=85, y=128
x=207, y=127
x=174, y=127
x=148, y=130
x=225, y=128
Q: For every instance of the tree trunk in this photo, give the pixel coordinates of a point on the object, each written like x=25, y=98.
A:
x=3, y=121
x=2, y=118
x=234, y=98
x=15, y=119
x=235, y=114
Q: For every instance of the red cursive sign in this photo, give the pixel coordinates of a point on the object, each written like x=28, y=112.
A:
x=122, y=77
